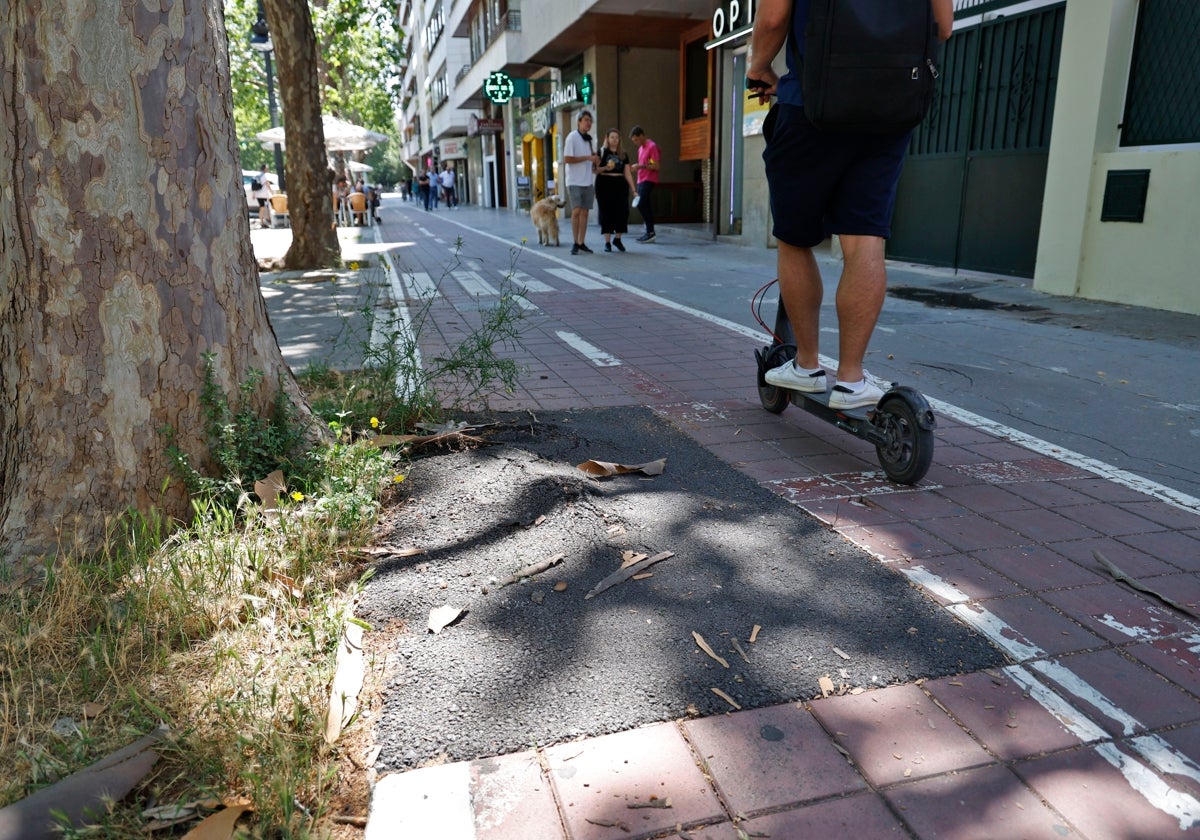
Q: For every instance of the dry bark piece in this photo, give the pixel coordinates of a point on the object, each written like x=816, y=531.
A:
x=737, y=646
x=754, y=633
x=1121, y=577
x=653, y=803
x=726, y=698
x=627, y=572
x=704, y=646
x=81, y=794
x=348, y=675
x=826, y=685
x=535, y=568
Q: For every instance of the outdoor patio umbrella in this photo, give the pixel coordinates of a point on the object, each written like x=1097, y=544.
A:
x=340, y=136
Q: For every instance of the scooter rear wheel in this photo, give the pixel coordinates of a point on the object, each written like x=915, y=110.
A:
x=773, y=398
x=908, y=452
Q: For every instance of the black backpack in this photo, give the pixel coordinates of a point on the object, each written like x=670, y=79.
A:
x=255, y=185
x=869, y=65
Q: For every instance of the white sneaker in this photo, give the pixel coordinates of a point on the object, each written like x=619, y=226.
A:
x=866, y=395
x=787, y=376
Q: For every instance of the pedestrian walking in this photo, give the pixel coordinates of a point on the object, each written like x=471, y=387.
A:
x=614, y=183
x=262, y=192
x=581, y=159
x=823, y=183
x=448, y=192
x=648, y=164
x=423, y=189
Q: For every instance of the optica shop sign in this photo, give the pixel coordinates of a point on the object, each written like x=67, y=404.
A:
x=731, y=17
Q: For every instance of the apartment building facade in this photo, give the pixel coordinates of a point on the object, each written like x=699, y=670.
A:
x=1064, y=144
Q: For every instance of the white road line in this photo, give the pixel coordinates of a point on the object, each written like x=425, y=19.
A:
x=1098, y=468
x=1157, y=792
x=1159, y=754
x=408, y=335
x=524, y=281
x=420, y=285
x=589, y=351
x=1079, y=687
x=1075, y=721
x=576, y=279
x=474, y=284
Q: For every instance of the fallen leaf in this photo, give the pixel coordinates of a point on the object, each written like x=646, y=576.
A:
x=704, y=647
x=754, y=633
x=561, y=586
x=605, y=469
x=440, y=617
x=93, y=710
x=270, y=489
x=218, y=826
x=726, y=698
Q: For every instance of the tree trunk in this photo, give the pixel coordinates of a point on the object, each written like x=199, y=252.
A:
x=124, y=257
x=310, y=190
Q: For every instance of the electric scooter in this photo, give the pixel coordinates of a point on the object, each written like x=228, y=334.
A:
x=900, y=426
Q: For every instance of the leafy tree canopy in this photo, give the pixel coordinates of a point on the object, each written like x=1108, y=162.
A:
x=359, y=44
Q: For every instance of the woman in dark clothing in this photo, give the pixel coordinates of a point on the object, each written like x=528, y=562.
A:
x=614, y=183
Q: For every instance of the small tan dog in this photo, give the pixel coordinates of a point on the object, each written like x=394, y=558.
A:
x=545, y=219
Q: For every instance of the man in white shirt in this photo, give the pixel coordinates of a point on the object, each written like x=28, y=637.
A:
x=580, y=161
x=448, y=192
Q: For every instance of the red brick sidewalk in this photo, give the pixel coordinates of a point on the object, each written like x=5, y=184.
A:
x=1091, y=732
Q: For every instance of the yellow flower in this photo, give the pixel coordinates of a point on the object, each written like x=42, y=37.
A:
x=524, y=240
x=374, y=422
x=297, y=496
x=398, y=478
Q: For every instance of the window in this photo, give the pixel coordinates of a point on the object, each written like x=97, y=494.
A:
x=695, y=82
x=1161, y=106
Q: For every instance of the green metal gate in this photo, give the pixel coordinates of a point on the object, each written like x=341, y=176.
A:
x=971, y=193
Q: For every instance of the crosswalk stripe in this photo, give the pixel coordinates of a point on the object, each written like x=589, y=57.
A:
x=523, y=281
x=576, y=279
x=474, y=284
x=420, y=284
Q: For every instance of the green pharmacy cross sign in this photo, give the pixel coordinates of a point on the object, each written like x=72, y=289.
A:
x=499, y=87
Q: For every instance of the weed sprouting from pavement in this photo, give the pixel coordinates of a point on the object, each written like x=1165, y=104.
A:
x=226, y=629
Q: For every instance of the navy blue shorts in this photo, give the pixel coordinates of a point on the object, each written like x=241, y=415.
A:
x=823, y=183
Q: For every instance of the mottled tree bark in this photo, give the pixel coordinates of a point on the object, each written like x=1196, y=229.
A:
x=310, y=204
x=124, y=257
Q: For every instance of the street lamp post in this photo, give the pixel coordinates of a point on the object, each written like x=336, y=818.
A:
x=260, y=39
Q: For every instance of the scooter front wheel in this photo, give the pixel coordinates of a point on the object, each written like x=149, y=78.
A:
x=908, y=448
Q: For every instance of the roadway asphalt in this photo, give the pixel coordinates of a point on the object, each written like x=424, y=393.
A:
x=1090, y=727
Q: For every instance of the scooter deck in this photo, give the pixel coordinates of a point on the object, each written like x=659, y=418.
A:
x=821, y=398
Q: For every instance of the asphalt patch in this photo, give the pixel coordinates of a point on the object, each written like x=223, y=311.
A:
x=536, y=663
